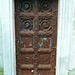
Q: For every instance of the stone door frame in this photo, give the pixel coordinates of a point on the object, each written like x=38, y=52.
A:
x=63, y=36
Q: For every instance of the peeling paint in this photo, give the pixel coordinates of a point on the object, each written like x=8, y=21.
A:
x=44, y=42
x=41, y=44
x=30, y=44
x=45, y=38
x=24, y=46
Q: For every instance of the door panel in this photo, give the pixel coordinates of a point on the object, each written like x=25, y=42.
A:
x=44, y=58
x=44, y=42
x=26, y=42
x=36, y=36
x=26, y=58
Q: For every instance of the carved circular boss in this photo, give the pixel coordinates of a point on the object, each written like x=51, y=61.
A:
x=45, y=6
x=26, y=6
x=27, y=24
x=45, y=25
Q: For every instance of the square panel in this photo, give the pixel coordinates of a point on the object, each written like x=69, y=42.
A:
x=26, y=6
x=44, y=42
x=45, y=24
x=26, y=58
x=45, y=5
x=44, y=58
x=26, y=42
x=26, y=23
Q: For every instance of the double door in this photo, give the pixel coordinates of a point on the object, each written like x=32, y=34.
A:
x=36, y=36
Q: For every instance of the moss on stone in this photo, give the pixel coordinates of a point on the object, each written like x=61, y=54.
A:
x=71, y=72
x=1, y=70
x=1, y=74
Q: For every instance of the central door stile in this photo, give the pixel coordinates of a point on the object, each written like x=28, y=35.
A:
x=36, y=38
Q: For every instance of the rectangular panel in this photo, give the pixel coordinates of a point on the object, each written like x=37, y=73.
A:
x=27, y=72
x=48, y=59
x=46, y=72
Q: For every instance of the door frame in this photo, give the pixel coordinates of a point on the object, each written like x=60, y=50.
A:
x=8, y=36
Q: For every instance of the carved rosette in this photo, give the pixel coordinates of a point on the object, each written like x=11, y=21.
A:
x=45, y=5
x=26, y=24
x=26, y=6
x=45, y=24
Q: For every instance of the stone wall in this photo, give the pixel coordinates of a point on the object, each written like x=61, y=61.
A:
x=1, y=47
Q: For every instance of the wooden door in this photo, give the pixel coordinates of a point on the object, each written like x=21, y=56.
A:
x=36, y=36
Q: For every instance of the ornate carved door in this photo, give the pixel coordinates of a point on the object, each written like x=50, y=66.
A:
x=36, y=36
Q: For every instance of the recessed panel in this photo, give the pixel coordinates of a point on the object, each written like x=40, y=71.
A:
x=53, y=59
x=46, y=72
x=45, y=5
x=45, y=24
x=26, y=42
x=26, y=58
x=44, y=58
x=26, y=6
x=27, y=72
x=44, y=42
x=26, y=23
